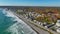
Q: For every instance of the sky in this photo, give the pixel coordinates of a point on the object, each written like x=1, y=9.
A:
x=30, y=2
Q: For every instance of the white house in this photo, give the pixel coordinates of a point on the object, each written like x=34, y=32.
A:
x=58, y=23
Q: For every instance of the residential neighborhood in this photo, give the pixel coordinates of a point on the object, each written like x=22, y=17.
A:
x=46, y=17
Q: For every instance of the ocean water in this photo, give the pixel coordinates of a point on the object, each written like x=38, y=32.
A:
x=11, y=24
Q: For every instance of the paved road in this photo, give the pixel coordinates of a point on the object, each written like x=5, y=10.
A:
x=38, y=30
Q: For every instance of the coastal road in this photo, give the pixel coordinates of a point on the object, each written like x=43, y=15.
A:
x=38, y=30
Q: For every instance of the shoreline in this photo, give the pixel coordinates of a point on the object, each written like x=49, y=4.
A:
x=25, y=22
x=22, y=20
x=29, y=25
x=35, y=28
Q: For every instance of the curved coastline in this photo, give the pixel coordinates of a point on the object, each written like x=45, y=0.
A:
x=19, y=20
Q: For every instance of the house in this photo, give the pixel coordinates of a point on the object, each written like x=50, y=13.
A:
x=58, y=23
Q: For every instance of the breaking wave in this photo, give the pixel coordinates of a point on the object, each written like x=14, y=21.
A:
x=19, y=27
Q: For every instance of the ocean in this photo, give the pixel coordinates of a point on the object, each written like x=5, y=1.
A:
x=11, y=24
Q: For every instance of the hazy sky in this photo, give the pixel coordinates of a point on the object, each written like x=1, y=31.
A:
x=30, y=2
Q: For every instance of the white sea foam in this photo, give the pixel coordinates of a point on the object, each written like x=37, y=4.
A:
x=9, y=14
x=16, y=28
